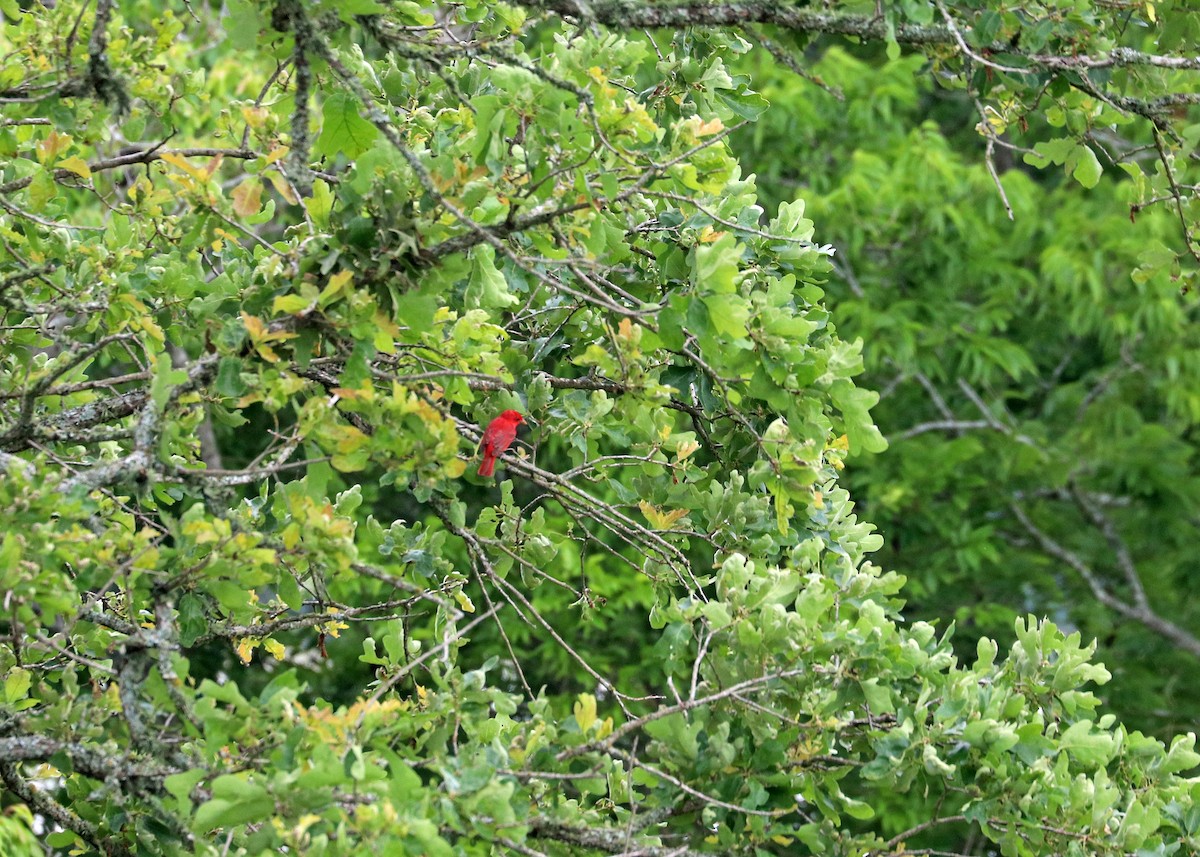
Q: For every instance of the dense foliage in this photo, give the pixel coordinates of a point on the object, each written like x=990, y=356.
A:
x=1040, y=382
x=264, y=273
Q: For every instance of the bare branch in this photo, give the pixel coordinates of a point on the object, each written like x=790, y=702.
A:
x=1143, y=615
x=957, y=426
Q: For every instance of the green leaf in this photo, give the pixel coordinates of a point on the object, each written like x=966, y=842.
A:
x=320, y=204
x=879, y=696
x=716, y=266
x=487, y=287
x=729, y=314
x=343, y=130
x=291, y=304
x=861, y=810
x=193, y=620
x=489, y=126
x=1088, y=746
x=416, y=311
x=987, y=25
x=180, y=787
x=1182, y=755
x=349, y=9
x=790, y=222
x=1087, y=169
x=166, y=379
x=1051, y=151
x=229, y=379
x=219, y=813
x=17, y=684
x=289, y=590
x=855, y=404
x=675, y=731
x=242, y=24
x=42, y=190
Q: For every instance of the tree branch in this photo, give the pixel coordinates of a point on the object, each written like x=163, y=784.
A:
x=1143, y=615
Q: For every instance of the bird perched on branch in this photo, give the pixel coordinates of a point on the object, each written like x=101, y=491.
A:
x=498, y=436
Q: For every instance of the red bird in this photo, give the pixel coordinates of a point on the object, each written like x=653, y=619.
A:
x=500, y=433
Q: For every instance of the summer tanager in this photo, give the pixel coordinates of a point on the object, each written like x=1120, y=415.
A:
x=500, y=433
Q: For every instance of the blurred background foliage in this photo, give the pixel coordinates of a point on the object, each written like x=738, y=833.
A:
x=1048, y=362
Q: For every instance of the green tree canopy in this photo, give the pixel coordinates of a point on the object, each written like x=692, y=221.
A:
x=1039, y=376
x=265, y=271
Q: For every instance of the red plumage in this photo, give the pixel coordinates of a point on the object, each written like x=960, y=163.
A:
x=498, y=436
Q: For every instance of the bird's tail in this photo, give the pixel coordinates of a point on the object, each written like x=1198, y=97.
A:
x=488, y=466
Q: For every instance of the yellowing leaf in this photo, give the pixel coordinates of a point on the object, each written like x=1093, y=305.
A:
x=275, y=648
x=464, y=601
x=783, y=508
x=384, y=323
x=245, y=649
x=247, y=198
x=184, y=164
x=337, y=284
x=76, y=165
x=283, y=188
x=256, y=117
x=363, y=394
x=712, y=126
x=291, y=304
x=52, y=146
x=585, y=711
x=254, y=325
x=201, y=532
x=291, y=535
x=659, y=519
x=147, y=558
x=334, y=627
x=266, y=352
x=260, y=335
x=348, y=438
